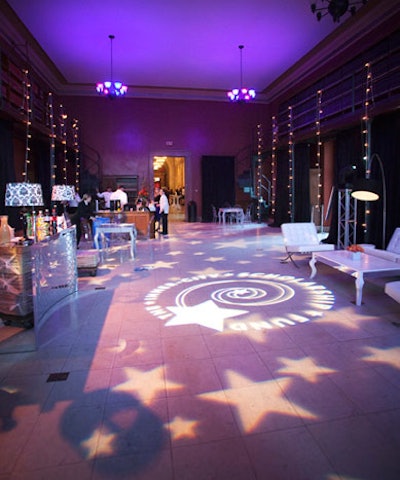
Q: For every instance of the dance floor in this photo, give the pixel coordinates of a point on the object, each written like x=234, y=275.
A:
x=206, y=358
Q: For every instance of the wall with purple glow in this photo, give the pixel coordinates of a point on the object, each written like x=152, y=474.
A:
x=127, y=132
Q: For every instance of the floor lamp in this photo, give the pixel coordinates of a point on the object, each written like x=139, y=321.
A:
x=369, y=190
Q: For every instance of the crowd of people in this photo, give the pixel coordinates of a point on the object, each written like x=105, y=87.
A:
x=83, y=209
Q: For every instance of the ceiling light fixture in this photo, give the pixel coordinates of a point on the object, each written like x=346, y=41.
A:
x=241, y=94
x=111, y=88
x=336, y=8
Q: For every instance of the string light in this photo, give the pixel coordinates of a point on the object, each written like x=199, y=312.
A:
x=319, y=147
x=275, y=131
x=75, y=128
x=259, y=171
x=366, y=132
x=291, y=170
x=27, y=108
x=63, y=128
x=50, y=120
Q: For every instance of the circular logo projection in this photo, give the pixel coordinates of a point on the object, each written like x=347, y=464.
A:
x=239, y=301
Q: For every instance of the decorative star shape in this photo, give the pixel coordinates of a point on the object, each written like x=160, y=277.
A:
x=209, y=271
x=180, y=427
x=305, y=368
x=177, y=252
x=239, y=243
x=99, y=443
x=146, y=385
x=390, y=356
x=215, y=259
x=253, y=402
x=161, y=264
x=206, y=314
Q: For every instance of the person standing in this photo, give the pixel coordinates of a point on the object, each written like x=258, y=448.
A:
x=120, y=195
x=164, y=209
x=85, y=211
x=106, y=195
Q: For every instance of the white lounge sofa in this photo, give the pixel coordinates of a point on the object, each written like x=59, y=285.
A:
x=392, y=251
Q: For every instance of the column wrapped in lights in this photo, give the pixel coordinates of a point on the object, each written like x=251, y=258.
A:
x=259, y=172
x=275, y=131
x=291, y=166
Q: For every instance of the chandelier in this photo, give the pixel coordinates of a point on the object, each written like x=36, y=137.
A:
x=336, y=8
x=111, y=88
x=241, y=94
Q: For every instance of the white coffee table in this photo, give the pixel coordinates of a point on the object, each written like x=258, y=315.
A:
x=343, y=261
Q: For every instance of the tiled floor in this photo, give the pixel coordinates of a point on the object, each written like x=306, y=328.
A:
x=206, y=358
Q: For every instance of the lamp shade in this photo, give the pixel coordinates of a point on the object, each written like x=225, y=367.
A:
x=62, y=193
x=366, y=189
x=24, y=194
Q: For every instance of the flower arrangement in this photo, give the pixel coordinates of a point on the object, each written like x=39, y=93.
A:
x=355, y=248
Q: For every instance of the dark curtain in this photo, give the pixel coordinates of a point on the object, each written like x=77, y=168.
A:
x=301, y=192
x=218, y=183
x=385, y=141
x=281, y=189
x=7, y=171
x=302, y=206
x=348, y=153
x=43, y=173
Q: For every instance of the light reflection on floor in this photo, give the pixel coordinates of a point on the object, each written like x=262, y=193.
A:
x=205, y=357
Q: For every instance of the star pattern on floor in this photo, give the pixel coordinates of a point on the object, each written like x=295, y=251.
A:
x=255, y=402
x=214, y=259
x=173, y=254
x=209, y=271
x=207, y=314
x=305, y=368
x=161, y=264
x=389, y=356
x=181, y=427
x=146, y=385
x=100, y=443
x=239, y=243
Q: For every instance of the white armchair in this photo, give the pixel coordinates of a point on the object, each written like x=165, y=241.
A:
x=302, y=238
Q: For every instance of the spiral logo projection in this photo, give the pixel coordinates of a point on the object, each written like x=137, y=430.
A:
x=239, y=301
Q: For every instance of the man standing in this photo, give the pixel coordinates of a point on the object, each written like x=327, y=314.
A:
x=120, y=195
x=164, y=209
x=106, y=195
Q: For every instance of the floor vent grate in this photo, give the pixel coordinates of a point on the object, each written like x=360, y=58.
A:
x=58, y=377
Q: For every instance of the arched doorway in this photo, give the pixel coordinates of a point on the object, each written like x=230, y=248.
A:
x=169, y=173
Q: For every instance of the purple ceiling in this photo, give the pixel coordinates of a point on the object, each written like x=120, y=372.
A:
x=176, y=44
